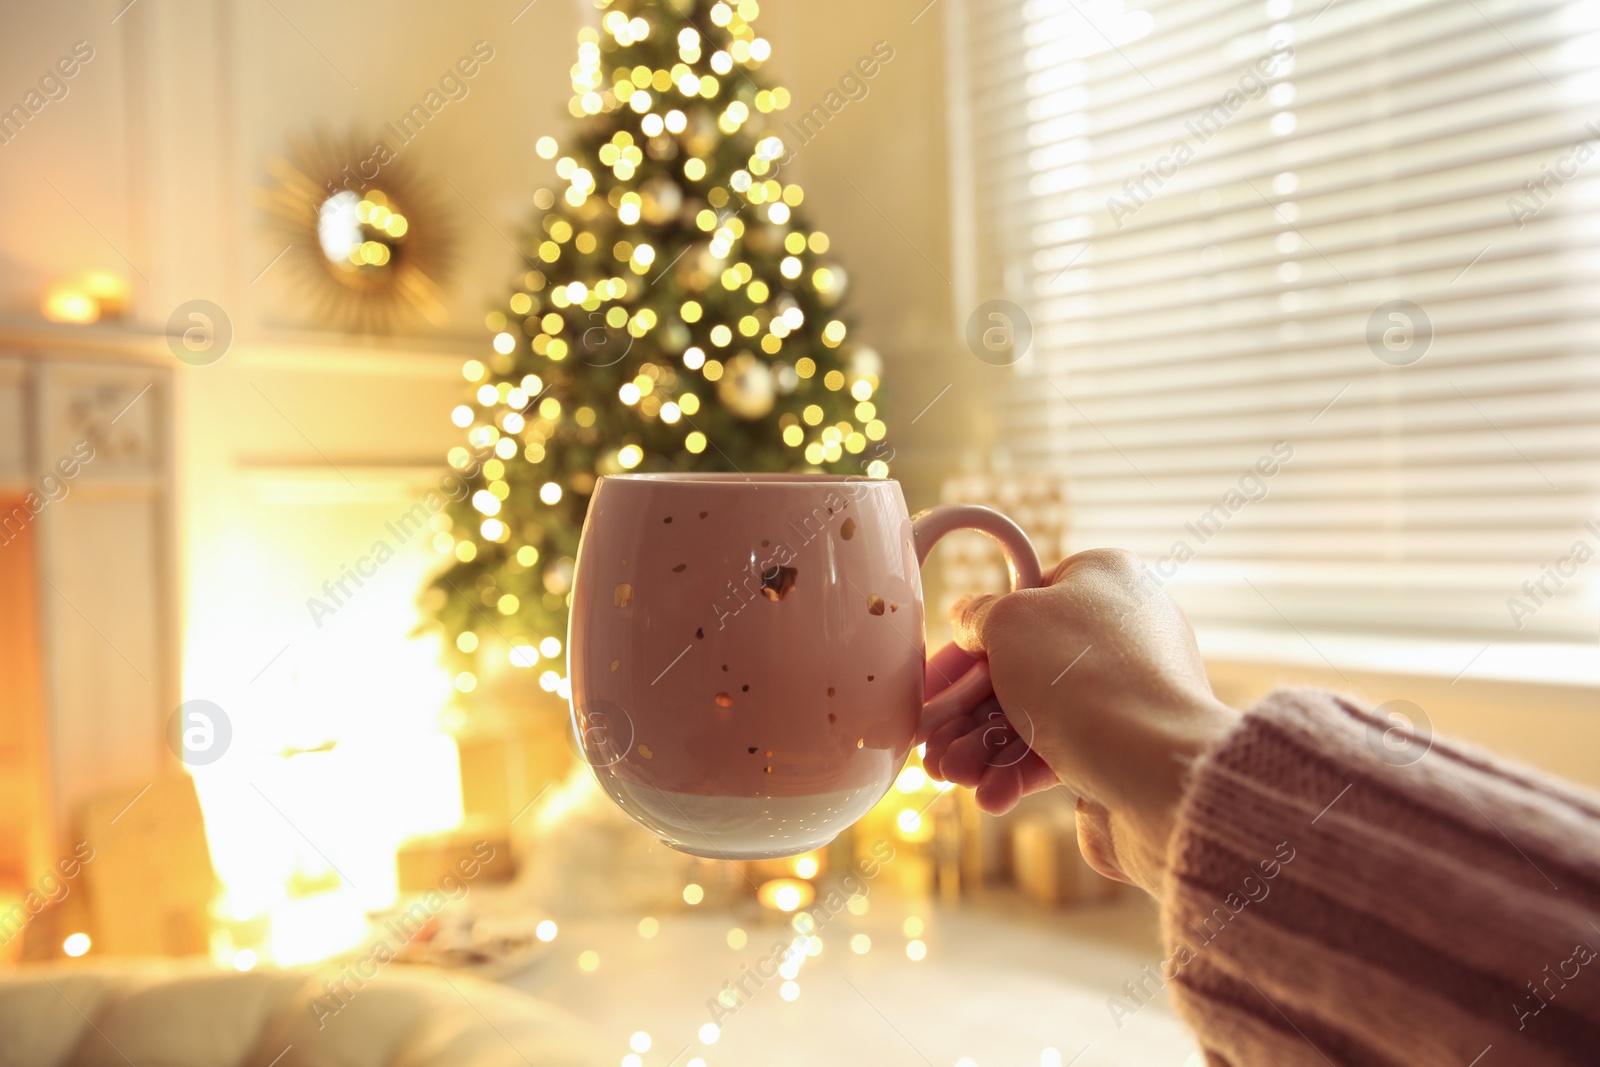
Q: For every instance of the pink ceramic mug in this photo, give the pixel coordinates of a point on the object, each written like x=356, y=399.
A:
x=746, y=652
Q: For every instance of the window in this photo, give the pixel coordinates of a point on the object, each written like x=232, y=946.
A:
x=1313, y=290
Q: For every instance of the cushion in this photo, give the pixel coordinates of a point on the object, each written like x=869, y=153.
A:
x=182, y=1014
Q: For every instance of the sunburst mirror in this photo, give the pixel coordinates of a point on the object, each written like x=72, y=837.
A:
x=366, y=236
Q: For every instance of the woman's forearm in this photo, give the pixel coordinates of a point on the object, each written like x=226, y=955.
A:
x=1329, y=901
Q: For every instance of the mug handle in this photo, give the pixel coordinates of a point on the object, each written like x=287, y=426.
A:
x=927, y=527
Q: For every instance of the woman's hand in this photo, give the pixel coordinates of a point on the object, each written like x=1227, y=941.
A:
x=1102, y=689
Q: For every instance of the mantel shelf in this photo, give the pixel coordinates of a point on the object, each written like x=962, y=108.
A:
x=113, y=342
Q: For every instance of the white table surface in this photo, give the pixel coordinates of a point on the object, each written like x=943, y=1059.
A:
x=1002, y=985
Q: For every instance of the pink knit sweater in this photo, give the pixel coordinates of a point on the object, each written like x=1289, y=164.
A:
x=1336, y=897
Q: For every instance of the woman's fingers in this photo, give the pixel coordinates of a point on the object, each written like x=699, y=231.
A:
x=944, y=667
x=1016, y=772
x=969, y=616
x=1000, y=789
x=968, y=756
x=967, y=619
x=940, y=740
x=983, y=751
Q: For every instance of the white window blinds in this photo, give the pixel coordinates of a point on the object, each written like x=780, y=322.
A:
x=1314, y=294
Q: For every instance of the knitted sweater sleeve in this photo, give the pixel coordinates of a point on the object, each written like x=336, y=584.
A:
x=1343, y=889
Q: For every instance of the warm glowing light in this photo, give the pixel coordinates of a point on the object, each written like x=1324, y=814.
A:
x=545, y=931
x=789, y=991
x=806, y=867
x=649, y=927
x=68, y=303
x=911, y=779
x=695, y=442
x=916, y=950
x=913, y=927
x=861, y=944
x=640, y=1041
x=630, y=456
x=786, y=894
x=244, y=959
x=908, y=821
x=629, y=393
x=693, y=894
x=550, y=492
x=857, y=905
x=111, y=291
x=462, y=416
x=589, y=961
x=75, y=944
x=550, y=647
x=737, y=938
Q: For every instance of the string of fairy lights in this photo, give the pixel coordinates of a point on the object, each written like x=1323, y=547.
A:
x=676, y=183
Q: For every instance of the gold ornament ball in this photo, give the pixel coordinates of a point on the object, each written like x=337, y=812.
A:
x=866, y=363
x=747, y=388
x=558, y=576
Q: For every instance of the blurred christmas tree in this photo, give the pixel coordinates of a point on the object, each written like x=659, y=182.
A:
x=675, y=315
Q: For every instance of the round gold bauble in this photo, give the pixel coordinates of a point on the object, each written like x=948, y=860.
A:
x=747, y=388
